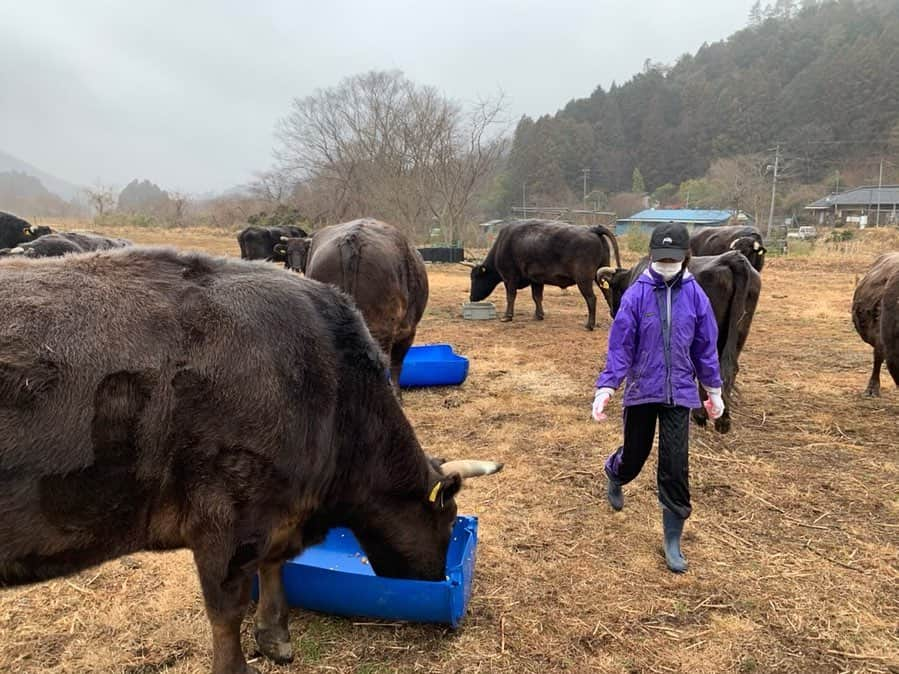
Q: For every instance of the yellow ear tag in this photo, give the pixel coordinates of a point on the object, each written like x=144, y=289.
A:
x=432, y=497
x=604, y=285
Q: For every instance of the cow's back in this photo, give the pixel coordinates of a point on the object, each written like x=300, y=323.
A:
x=136, y=382
x=547, y=247
x=866, y=300
x=379, y=268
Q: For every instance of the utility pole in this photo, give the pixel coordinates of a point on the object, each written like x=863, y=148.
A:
x=879, y=187
x=773, y=189
x=586, y=173
x=524, y=201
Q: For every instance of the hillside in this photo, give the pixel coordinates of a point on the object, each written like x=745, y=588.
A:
x=819, y=79
x=61, y=188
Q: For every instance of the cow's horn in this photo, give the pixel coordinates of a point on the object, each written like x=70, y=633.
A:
x=756, y=245
x=466, y=263
x=18, y=250
x=284, y=239
x=470, y=468
x=733, y=244
x=605, y=271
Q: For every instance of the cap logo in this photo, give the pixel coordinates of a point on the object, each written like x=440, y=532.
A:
x=667, y=239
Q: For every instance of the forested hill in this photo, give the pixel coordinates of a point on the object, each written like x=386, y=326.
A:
x=820, y=78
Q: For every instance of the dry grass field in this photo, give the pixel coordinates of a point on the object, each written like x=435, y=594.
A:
x=793, y=546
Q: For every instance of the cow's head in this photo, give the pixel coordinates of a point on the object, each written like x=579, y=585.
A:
x=484, y=278
x=613, y=282
x=292, y=251
x=752, y=249
x=33, y=232
x=406, y=534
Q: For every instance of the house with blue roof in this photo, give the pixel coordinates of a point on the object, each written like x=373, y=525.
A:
x=695, y=219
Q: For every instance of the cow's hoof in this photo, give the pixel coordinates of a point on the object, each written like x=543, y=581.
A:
x=538, y=317
x=588, y=327
x=872, y=393
x=506, y=319
x=700, y=419
x=722, y=425
x=275, y=645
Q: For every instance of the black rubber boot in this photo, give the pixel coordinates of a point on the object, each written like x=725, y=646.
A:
x=614, y=494
x=673, y=527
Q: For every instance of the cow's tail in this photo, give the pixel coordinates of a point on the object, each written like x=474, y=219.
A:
x=350, y=248
x=742, y=307
x=603, y=231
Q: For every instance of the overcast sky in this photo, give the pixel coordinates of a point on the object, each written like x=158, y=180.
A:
x=187, y=93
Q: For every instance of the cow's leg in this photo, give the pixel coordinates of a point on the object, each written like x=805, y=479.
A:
x=226, y=581
x=511, y=291
x=270, y=628
x=873, y=389
x=397, y=354
x=700, y=415
x=537, y=294
x=586, y=288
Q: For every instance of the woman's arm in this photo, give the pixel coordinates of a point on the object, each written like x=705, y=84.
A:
x=622, y=344
x=704, y=350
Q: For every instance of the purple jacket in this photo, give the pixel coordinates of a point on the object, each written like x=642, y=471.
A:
x=661, y=364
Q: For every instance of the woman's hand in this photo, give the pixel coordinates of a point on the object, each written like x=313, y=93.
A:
x=715, y=404
x=600, y=399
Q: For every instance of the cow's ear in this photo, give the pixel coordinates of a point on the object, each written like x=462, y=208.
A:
x=443, y=490
x=280, y=249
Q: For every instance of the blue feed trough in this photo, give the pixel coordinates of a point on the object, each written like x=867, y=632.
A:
x=335, y=577
x=433, y=365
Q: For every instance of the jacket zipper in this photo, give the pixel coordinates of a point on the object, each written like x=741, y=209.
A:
x=668, y=392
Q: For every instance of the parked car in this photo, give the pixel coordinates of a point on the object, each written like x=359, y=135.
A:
x=803, y=233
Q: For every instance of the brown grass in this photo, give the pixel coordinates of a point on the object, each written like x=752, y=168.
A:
x=793, y=546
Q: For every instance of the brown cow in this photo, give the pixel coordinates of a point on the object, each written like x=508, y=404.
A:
x=867, y=304
x=379, y=268
x=153, y=400
x=889, y=326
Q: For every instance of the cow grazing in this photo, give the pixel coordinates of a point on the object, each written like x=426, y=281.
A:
x=867, y=307
x=544, y=252
x=379, y=268
x=743, y=238
x=242, y=412
x=733, y=288
x=258, y=243
x=66, y=243
x=15, y=230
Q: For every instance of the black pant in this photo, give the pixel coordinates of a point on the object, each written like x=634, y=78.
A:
x=674, y=432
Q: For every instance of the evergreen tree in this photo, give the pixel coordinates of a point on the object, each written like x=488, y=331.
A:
x=637, y=184
x=755, y=13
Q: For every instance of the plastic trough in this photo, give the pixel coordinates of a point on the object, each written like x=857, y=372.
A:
x=433, y=365
x=335, y=577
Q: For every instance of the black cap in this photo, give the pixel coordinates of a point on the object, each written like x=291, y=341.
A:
x=671, y=240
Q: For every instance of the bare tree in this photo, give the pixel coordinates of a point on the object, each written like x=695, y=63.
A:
x=378, y=144
x=101, y=198
x=179, y=202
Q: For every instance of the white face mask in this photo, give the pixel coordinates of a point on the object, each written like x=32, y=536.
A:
x=667, y=270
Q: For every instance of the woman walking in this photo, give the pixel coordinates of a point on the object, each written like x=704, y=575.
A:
x=663, y=338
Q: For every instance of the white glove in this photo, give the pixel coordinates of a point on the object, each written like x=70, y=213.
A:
x=715, y=404
x=600, y=398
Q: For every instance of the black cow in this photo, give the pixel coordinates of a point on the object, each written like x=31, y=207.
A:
x=544, y=252
x=379, y=268
x=14, y=230
x=867, y=308
x=733, y=288
x=66, y=243
x=743, y=238
x=153, y=400
x=258, y=243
